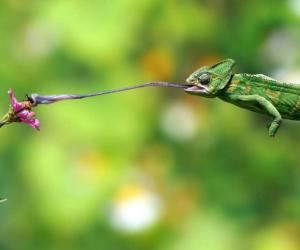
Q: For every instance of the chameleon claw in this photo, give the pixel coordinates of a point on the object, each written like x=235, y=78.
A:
x=3, y=200
x=273, y=127
x=271, y=133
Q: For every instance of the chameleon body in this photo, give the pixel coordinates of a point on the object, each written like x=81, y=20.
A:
x=258, y=93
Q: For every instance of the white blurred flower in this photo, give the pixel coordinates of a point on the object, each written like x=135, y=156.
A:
x=282, y=47
x=179, y=121
x=295, y=6
x=288, y=75
x=135, y=209
x=36, y=41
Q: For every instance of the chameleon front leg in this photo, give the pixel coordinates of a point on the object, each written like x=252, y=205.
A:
x=268, y=106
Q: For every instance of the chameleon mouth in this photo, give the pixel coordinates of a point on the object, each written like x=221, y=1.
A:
x=196, y=89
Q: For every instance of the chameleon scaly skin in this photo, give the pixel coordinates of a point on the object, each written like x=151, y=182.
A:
x=258, y=93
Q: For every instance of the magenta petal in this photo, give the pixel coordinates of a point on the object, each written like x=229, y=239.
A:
x=26, y=114
x=35, y=123
x=23, y=114
x=31, y=114
x=28, y=118
x=16, y=105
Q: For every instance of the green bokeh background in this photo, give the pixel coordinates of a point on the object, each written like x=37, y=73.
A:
x=201, y=174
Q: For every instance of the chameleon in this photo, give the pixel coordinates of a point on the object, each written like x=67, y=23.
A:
x=255, y=92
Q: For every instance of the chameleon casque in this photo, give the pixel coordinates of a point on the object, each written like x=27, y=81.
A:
x=258, y=93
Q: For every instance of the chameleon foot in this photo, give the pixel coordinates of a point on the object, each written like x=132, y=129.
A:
x=273, y=127
x=3, y=200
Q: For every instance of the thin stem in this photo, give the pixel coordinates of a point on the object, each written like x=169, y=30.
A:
x=48, y=99
x=5, y=119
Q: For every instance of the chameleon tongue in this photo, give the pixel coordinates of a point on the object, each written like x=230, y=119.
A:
x=193, y=88
x=36, y=99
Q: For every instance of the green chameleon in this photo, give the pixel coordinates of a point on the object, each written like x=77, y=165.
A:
x=258, y=93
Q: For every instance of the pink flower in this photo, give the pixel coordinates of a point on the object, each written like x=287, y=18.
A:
x=23, y=112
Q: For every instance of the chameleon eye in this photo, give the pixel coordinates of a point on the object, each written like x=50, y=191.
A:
x=204, y=78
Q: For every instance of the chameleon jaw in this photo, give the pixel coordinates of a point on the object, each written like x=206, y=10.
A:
x=197, y=89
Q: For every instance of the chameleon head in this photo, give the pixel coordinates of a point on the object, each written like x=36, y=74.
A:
x=209, y=81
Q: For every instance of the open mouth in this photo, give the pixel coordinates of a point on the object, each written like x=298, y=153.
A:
x=196, y=88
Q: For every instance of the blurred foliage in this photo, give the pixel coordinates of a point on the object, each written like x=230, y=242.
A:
x=173, y=172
